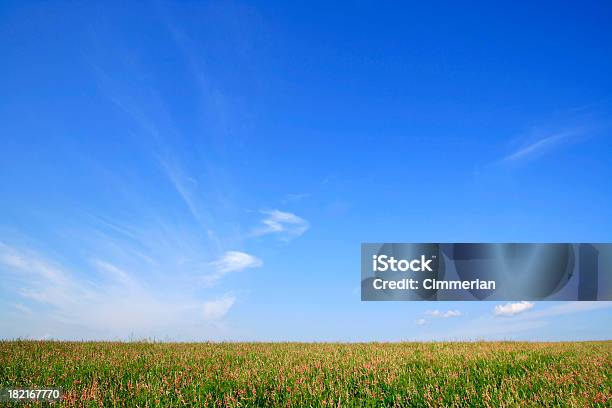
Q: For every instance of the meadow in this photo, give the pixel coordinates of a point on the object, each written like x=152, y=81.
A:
x=478, y=374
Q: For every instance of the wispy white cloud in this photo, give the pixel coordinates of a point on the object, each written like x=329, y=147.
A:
x=218, y=308
x=22, y=308
x=185, y=187
x=11, y=258
x=438, y=314
x=114, y=273
x=444, y=315
x=544, y=144
x=105, y=301
x=287, y=225
x=40, y=280
x=568, y=308
x=512, y=309
x=294, y=197
x=231, y=261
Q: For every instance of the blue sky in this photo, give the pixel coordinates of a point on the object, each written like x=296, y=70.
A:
x=208, y=170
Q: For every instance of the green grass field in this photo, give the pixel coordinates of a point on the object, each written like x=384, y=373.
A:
x=326, y=374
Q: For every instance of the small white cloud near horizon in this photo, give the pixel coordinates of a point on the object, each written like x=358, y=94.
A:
x=218, y=308
x=286, y=224
x=569, y=308
x=513, y=309
x=438, y=314
x=444, y=315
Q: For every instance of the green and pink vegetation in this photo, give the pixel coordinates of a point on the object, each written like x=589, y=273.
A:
x=305, y=374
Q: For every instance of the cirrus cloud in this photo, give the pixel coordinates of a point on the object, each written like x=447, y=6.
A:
x=231, y=261
x=444, y=315
x=218, y=308
x=287, y=225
